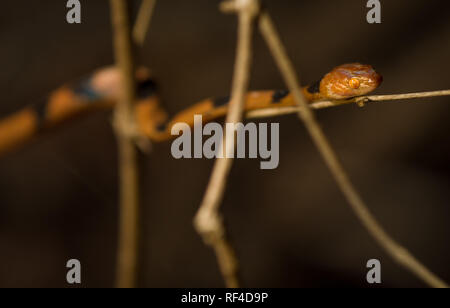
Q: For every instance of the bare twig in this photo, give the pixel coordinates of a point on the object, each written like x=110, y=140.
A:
x=271, y=112
x=124, y=126
x=379, y=98
x=401, y=255
x=143, y=21
x=208, y=220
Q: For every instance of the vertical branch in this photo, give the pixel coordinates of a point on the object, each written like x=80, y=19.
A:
x=208, y=221
x=398, y=253
x=124, y=126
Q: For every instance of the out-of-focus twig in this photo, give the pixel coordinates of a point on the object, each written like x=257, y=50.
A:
x=208, y=220
x=271, y=112
x=143, y=20
x=124, y=124
x=399, y=254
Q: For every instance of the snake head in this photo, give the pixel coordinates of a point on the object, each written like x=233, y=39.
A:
x=349, y=80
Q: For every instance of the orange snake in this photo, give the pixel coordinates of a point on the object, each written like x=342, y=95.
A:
x=101, y=90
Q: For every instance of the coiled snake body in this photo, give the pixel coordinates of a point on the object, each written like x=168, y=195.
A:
x=101, y=91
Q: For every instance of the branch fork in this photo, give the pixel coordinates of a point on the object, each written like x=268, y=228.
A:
x=208, y=221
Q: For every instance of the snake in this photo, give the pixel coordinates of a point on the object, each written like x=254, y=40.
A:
x=102, y=89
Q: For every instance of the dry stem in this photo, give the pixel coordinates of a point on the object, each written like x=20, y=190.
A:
x=271, y=112
x=143, y=21
x=401, y=255
x=124, y=123
x=208, y=220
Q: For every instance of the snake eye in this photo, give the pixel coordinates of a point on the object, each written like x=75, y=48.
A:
x=354, y=83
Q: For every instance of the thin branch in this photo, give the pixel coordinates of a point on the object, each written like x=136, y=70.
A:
x=208, y=220
x=379, y=98
x=124, y=125
x=401, y=255
x=143, y=21
x=272, y=112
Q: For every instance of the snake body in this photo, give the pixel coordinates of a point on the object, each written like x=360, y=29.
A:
x=101, y=90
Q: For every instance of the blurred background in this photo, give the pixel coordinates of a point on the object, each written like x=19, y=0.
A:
x=291, y=226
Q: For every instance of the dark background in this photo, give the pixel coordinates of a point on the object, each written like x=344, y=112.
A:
x=291, y=226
